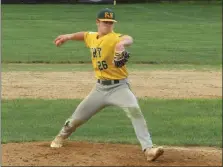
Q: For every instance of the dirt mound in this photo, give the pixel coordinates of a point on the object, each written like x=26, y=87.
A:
x=104, y=154
x=156, y=84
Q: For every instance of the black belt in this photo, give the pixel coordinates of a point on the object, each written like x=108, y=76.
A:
x=108, y=82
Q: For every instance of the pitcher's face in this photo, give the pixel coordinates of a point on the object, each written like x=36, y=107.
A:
x=105, y=27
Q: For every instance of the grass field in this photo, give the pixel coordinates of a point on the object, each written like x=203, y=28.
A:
x=167, y=37
x=163, y=33
x=172, y=122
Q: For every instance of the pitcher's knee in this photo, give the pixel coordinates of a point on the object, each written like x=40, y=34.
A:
x=133, y=112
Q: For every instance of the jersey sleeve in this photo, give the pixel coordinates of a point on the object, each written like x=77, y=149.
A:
x=119, y=35
x=87, y=39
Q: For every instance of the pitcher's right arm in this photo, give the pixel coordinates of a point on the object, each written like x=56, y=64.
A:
x=78, y=36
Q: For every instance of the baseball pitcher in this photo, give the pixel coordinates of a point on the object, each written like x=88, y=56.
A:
x=112, y=88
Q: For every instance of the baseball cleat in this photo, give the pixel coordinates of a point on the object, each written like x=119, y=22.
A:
x=57, y=142
x=153, y=153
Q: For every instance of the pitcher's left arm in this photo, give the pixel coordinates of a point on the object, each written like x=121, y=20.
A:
x=121, y=55
x=125, y=41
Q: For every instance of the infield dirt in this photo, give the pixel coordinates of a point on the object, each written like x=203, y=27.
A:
x=156, y=84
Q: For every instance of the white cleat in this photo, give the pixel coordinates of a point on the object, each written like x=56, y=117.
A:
x=57, y=142
x=153, y=153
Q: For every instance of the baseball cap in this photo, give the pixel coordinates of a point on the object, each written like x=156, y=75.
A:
x=106, y=15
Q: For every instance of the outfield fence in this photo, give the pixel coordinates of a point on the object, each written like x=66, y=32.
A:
x=97, y=1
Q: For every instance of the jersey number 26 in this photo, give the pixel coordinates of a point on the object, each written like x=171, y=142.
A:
x=102, y=65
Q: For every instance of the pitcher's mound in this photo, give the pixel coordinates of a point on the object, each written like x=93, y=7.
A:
x=101, y=154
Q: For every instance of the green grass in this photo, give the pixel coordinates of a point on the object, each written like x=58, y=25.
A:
x=88, y=67
x=171, y=122
x=163, y=33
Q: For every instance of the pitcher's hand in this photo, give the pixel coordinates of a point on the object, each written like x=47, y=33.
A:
x=61, y=39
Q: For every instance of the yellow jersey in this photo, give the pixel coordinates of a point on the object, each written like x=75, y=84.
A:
x=102, y=55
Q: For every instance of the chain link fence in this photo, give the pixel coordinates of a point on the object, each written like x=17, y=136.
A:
x=96, y=1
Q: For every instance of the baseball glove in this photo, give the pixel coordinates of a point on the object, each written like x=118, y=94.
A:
x=121, y=58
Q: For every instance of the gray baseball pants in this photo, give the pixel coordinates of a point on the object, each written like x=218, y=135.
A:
x=118, y=94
